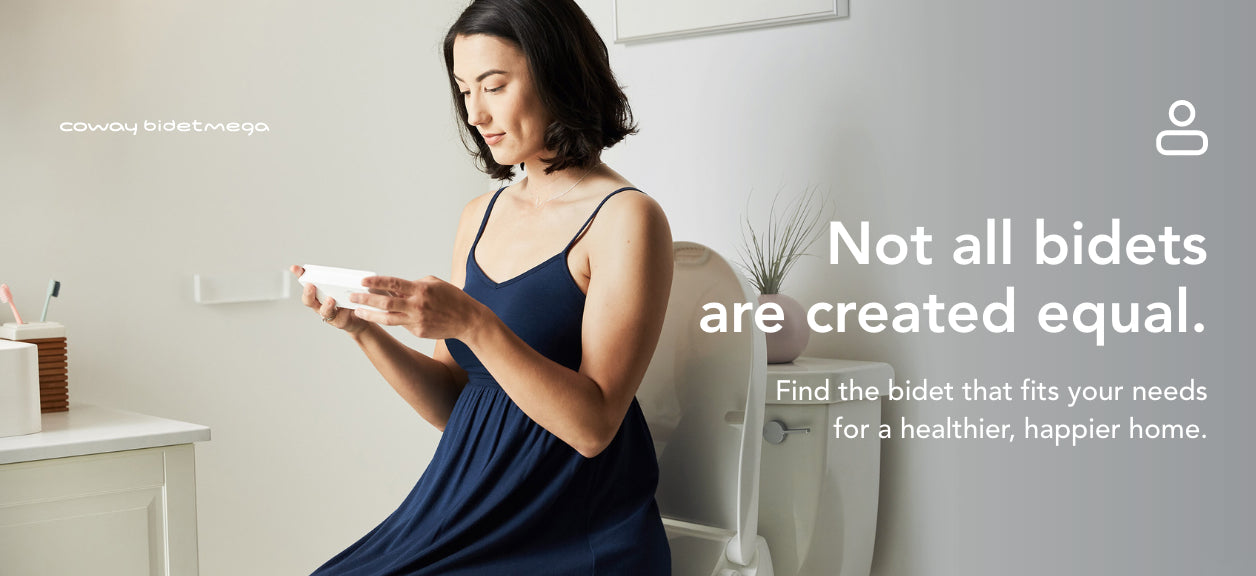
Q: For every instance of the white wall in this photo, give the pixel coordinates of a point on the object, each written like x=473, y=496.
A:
x=361, y=168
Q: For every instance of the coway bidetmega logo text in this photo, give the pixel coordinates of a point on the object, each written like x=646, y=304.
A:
x=163, y=126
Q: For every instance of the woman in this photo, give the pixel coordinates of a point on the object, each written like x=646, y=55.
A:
x=545, y=465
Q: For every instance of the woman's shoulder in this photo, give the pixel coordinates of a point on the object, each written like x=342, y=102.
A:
x=627, y=205
x=630, y=240
x=474, y=210
x=472, y=215
x=627, y=212
x=480, y=202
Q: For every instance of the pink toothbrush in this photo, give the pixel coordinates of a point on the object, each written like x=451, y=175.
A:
x=7, y=297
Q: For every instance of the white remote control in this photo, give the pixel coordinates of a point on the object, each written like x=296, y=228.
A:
x=337, y=283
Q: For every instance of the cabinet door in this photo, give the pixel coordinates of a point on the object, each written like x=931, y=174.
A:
x=129, y=513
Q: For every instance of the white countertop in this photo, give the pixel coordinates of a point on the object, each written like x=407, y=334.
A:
x=88, y=429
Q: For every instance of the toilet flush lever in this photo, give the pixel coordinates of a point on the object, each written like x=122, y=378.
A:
x=775, y=431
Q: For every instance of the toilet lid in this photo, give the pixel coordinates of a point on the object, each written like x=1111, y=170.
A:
x=703, y=397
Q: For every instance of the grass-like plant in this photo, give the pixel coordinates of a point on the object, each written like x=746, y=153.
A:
x=767, y=259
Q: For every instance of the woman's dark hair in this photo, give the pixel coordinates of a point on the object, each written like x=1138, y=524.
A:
x=571, y=72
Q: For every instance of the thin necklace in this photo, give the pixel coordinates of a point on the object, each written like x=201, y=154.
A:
x=537, y=203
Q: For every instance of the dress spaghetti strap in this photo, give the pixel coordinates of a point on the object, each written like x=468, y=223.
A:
x=591, y=216
x=484, y=222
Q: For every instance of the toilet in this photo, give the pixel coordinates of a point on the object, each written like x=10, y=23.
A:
x=818, y=494
x=703, y=397
x=751, y=481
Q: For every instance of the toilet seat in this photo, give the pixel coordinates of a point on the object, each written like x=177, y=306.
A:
x=703, y=397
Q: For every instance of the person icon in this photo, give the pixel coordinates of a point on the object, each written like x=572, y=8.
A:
x=1181, y=135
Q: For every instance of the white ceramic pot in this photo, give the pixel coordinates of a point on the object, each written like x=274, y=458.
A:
x=787, y=343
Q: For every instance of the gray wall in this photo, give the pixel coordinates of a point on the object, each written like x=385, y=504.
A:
x=935, y=114
x=943, y=114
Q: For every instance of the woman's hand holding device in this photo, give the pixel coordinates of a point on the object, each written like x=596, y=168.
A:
x=429, y=307
x=328, y=307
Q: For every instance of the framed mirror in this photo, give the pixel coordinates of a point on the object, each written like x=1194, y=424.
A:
x=646, y=20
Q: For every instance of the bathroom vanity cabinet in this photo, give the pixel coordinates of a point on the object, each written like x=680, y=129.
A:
x=102, y=492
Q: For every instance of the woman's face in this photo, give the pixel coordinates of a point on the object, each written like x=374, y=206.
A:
x=502, y=104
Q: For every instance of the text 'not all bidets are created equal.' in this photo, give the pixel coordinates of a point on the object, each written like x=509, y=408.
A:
x=931, y=313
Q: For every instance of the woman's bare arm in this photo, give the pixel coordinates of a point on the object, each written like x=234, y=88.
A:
x=429, y=384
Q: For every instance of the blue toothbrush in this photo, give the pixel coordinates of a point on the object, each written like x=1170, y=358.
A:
x=54, y=288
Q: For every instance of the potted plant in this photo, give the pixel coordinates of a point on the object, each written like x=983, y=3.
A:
x=767, y=259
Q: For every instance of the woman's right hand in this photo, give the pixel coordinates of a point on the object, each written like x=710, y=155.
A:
x=339, y=317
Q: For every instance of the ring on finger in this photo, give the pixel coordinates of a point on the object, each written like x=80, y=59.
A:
x=328, y=319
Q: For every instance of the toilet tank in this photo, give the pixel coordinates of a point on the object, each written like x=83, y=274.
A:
x=818, y=494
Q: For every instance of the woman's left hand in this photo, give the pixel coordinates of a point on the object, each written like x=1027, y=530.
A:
x=429, y=307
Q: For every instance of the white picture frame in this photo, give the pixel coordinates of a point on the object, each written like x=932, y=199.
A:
x=642, y=20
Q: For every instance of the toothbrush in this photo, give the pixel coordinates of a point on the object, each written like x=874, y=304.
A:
x=54, y=288
x=7, y=297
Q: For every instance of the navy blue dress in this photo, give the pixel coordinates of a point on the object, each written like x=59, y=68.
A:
x=502, y=495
